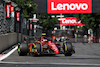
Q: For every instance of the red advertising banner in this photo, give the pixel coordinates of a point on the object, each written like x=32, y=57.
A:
x=69, y=6
x=70, y=21
x=12, y=11
x=8, y=10
x=18, y=16
x=30, y=26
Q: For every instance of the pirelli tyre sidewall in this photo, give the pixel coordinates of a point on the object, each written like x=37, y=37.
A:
x=38, y=49
x=68, y=48
x=22, y=49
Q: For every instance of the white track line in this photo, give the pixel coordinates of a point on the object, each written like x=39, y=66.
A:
x=80, y=64
x=71, y=64
x=9, y=53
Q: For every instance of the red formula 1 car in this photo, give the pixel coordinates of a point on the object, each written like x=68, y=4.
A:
x=45, y=46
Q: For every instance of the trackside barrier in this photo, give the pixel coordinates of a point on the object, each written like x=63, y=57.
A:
x=7, y=40
x=96, y=40
x=99, y=39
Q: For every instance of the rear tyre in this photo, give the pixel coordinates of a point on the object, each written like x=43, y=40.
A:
x=22, y=49
x=68, y=48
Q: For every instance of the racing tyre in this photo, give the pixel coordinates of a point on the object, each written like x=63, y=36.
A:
x=68, y=48
x=22, y=49
x=38, y=49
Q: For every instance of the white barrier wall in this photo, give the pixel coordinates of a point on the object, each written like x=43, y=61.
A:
x=7, y=40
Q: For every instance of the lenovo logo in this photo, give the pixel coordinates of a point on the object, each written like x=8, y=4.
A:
x=64, y=20
x=70, y=21
x=69, y=6
x=72, y=6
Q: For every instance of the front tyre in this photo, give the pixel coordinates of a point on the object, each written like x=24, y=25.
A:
x=22, y=49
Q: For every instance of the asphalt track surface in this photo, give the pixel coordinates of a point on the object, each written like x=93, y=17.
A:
x=87, y=55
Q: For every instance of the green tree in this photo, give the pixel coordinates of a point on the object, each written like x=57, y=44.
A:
x=28, y=8
x=47, y=21
x=91, y=20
